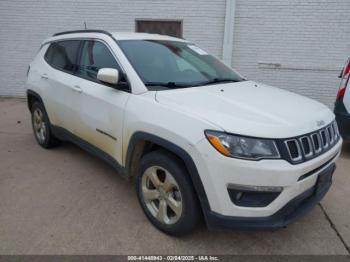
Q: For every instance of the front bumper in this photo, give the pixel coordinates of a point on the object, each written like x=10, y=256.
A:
x=293, y=210
x=298, y=196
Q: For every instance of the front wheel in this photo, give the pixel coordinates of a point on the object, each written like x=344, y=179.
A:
x=166, y=194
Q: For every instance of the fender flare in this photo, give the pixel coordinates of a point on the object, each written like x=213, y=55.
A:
x=36, y=95
x=178, y=151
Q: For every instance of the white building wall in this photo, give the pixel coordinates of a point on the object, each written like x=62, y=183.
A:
x=310, y=39
x=24, y=24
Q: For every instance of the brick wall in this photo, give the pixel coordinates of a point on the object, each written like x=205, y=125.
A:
x=26, y=23
x=310, y=39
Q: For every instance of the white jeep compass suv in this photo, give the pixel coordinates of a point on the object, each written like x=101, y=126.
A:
x=198, y=139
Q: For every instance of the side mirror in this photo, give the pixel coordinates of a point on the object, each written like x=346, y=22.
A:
x=108, y=75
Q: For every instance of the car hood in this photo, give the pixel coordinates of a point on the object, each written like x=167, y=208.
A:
x=250, y=108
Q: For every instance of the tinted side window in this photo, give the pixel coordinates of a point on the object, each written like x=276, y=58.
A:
x=95, y=55
x=63, y=55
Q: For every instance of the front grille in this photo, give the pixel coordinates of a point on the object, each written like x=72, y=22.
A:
x=294, y=149
x=316, y=142
x=305, y=142
x=308, y=146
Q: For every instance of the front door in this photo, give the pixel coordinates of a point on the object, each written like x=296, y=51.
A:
x=100, y=107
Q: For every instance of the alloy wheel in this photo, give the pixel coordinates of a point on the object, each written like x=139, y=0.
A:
x=39, y=125
x=162, y=195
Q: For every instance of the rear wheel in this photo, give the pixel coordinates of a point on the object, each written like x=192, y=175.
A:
x=41, y=126
x=166, y=194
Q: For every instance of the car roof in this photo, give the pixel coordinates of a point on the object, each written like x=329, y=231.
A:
x=116, y=35
x=140, y=36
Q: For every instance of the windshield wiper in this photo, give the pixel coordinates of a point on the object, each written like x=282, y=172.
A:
x=221, y=80
x=167, y=84
x=183, y=85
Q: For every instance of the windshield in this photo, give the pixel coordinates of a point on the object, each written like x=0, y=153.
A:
x=172, y=64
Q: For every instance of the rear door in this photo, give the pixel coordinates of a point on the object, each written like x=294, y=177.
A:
x=61, y=92
x=100, y=107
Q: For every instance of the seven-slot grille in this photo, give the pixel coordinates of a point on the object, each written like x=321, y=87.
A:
x=311, y=145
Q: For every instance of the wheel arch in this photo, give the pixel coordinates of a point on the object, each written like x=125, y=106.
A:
x=141, y=143
x=33, y=96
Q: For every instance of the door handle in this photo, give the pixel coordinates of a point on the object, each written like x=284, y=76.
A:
x=77, y=88
x=44, y=76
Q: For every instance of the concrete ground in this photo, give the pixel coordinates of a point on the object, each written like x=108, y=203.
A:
x=64, y=201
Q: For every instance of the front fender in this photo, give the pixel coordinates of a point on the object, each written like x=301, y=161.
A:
x=179, y=152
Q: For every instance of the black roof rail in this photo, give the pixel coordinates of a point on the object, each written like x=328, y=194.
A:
x=84, y=31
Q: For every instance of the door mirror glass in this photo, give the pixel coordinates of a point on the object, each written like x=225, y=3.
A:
x=108, y=75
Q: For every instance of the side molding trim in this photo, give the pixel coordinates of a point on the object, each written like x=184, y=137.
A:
x=106, y=134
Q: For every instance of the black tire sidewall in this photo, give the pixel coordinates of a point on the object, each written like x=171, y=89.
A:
x=190, y=213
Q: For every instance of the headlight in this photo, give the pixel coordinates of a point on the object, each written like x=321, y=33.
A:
x=242, y=147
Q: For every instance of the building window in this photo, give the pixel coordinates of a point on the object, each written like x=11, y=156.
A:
x=163, y=27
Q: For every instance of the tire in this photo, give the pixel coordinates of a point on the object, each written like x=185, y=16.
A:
x=169, y=202
x=41, y=126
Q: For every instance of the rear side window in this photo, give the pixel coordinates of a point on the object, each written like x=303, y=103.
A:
x=63, y=55
x=94, y=56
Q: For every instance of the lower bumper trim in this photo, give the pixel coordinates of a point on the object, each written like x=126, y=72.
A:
x=293, y=210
